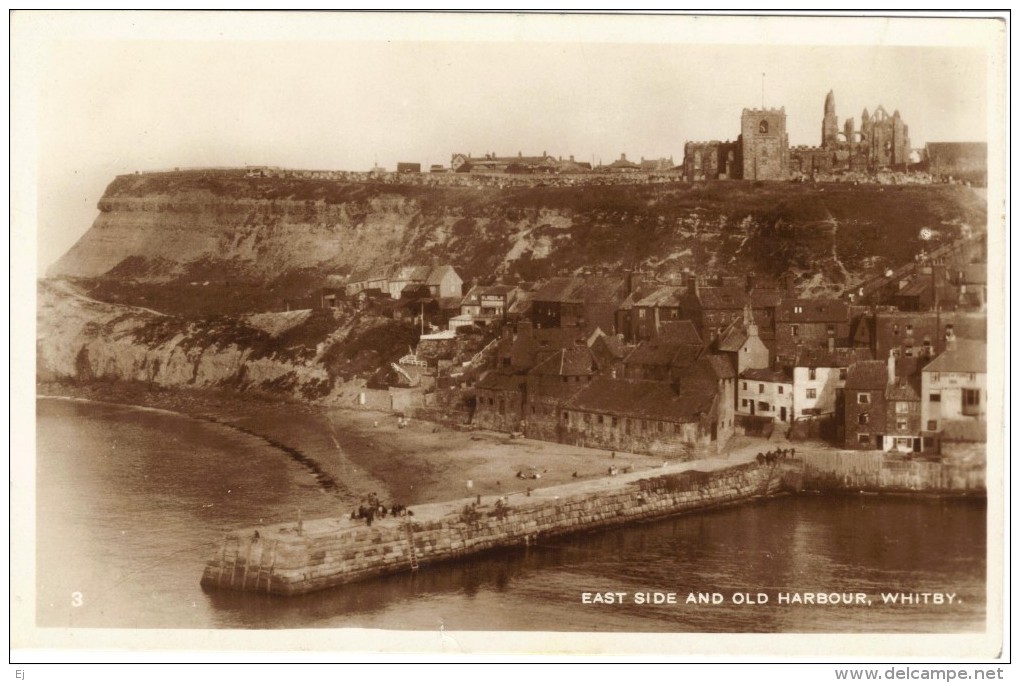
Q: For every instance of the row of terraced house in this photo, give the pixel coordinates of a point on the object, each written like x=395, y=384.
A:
x=675, y=369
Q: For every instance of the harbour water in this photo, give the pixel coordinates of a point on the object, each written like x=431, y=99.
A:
x=132, y=502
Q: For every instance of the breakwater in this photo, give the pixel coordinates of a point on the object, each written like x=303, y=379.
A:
x=307, y=556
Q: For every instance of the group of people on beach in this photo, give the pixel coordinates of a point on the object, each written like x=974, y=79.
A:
x=371, y=507
x=774, y=456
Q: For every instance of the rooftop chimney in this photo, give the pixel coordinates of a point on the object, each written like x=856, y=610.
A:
x=950, y=339
x=692, y=284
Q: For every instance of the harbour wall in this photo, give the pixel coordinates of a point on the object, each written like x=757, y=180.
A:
x=878, y=472
x=310, y=556
x=295, y=559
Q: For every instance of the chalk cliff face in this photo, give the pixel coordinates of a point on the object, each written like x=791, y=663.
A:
x=178, y=226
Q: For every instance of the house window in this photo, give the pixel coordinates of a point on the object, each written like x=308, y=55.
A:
x=933, y=425
x=971, y=401
x=972, y=377
x=566, y=417
x=862, y=419
x=830, y=330
x=798, y=309
x=812, y=393
x=762, y=405
x=743, y=403
x=761, y=388
x=532, y=410
x=896, y=330
x=842, y=373
x=935, y=397
x=602, y=419
x=901, y=425
x=864, y=439
x=935, y=377
x=811, y=373
x=795, y=330
x=615, y=422
x=902, y=407
x=745, y=385
x=661, y=426
x=908, y=351
x=863, y=398
x=910, y=329
x=780, y=389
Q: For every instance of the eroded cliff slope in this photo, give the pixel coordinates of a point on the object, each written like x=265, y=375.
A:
x=287, y=233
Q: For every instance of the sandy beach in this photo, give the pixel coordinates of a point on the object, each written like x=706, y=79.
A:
x=365, y=451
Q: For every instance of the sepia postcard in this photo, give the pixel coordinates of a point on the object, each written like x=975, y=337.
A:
x=400, y=335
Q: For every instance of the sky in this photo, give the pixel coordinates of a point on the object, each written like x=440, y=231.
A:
x=110, y=93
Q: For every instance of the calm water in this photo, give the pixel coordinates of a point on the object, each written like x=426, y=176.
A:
x=133, y=502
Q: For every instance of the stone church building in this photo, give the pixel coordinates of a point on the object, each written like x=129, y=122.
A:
x=762, y=150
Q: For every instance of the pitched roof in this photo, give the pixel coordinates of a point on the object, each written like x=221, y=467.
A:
x=521, y=304
x=645, y=399
x=867, y=374
x=837, y=358
x=582, y=290
x=735, y=337
x=903, y=390
x=575, y=360
x=726, y=297
x=722, y=367
x=613, y=345
x=435, y=275
x=968, y=356
x=682, y=331
x=659, y=352
x=662, y=295
x=780, y=375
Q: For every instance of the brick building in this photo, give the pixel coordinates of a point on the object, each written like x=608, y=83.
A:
x=810, y=324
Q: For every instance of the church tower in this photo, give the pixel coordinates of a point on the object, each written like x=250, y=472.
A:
x=830, y=124
x=764, y=144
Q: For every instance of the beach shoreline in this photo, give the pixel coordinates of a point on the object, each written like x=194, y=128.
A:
x=367, y=451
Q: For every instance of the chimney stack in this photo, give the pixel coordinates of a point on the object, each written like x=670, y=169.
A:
x=950, y=339
x=891, y=365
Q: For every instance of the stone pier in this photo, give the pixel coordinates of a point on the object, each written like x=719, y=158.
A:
x=292, y=559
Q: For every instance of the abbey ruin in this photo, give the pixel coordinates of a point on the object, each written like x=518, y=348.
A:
x=762, y=151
